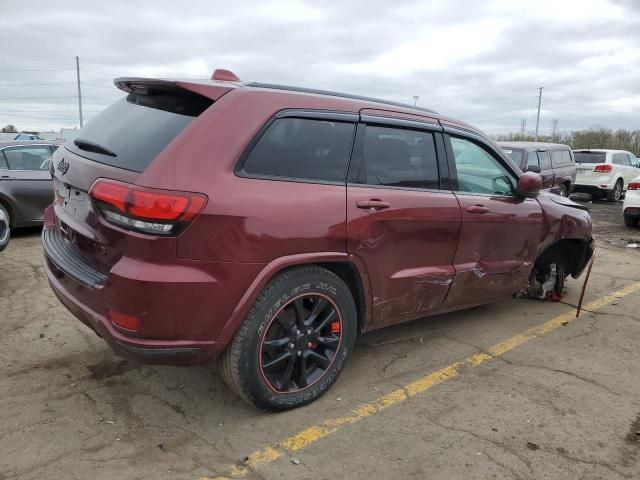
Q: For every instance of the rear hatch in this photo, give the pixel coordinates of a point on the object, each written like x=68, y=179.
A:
x=586, y=162
x=118, y=144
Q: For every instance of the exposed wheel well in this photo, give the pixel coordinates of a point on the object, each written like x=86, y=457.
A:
x=349, y=274
x=573, y=253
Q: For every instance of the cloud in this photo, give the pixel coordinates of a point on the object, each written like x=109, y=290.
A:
x=478, y=61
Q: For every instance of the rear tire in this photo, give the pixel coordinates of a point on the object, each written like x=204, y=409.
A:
x=630, y=221
x=615, y=194
x=5, y=228
x=283, y=356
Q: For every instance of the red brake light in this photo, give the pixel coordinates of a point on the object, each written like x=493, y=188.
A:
x=146, y=209
x=605, y=168
x=634, y=186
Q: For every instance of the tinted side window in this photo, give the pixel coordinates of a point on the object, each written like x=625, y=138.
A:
x=545, y=160
x=398, y=157
x=478, y=171
x=302, y=148
x=28, y=158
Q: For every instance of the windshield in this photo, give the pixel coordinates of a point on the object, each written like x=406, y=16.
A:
x=133, y=131
x=516, y=155
x=590, y=157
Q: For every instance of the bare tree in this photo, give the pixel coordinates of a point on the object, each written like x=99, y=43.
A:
x=9, y=129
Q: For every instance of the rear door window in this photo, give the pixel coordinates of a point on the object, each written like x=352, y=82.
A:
x=34, y=158
x=137, y=128
x=301, y=148
x=397, y=157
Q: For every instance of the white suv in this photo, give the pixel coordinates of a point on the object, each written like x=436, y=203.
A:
x=605, y=173
x=631, y=205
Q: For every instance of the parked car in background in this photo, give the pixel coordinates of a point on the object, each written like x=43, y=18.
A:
x=553, y=161
x=269, y=225
x=605, y=173
x=25, y=182
x=631, y=205
x=28, y=136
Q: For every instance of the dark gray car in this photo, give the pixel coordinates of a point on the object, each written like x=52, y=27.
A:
x=25, y=184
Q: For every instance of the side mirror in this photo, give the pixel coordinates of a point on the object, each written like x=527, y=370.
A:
x=533, y=168
x=529, y=185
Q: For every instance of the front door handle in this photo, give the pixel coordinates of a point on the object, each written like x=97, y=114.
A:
x=477, y=209
x=373, y=204
x=7, y=177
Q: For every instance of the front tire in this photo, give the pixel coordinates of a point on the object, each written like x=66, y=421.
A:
x=294, y=342
x=564, y=191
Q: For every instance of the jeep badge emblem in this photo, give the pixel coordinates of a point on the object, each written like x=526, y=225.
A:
x=62, y=167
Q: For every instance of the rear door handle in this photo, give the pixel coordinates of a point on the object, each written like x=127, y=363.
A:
x=7, y=177
x=373, y=204
x=477, y=209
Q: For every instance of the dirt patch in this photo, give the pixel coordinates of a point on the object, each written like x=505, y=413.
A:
x=110, y=368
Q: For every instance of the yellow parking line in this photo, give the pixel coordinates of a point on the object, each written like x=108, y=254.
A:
x=316, y=432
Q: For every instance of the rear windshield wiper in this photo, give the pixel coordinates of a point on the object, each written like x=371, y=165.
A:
x=92, y=147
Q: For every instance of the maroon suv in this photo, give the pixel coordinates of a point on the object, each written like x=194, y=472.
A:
x=268, y=225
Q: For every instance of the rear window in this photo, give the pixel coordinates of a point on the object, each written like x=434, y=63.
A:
x=298, y=148
x=516, y=155
x=590, y=157
x=137, y=128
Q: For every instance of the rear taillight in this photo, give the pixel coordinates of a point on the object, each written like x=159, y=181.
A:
x=605, y=168
x=146, y=210
x=634, y=186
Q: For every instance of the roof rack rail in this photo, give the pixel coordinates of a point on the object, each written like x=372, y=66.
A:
x=336, y=94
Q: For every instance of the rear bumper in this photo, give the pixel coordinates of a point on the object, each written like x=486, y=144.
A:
x=167, y=352
x=182, y=305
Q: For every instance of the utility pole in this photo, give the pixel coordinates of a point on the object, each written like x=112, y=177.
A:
x=523, y=126
x=79, y=91
x=538, y=118
x=415, y=100
x=554, y=128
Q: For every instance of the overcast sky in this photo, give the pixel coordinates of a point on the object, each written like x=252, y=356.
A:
x=480, y=61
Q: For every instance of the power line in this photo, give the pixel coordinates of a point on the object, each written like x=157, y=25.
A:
x=38, y=70
x=34, y=84
x=33, y=98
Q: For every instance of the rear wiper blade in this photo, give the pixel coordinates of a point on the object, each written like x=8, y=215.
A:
x=90, y=146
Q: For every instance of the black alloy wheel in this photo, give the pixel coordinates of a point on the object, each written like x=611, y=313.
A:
x=300, y=343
